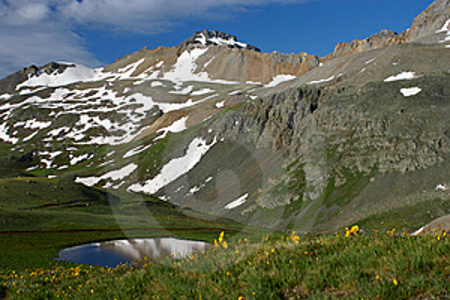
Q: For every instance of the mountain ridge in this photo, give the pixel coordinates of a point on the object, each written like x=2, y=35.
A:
x=425, y=24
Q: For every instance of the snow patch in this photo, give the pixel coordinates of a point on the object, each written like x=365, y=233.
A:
x=184, y=68
x=234, y=92
x=115, y=175
x=322, y=80
x=279, y=79
x=56, y=132
x=445, y=27
x=407, y=92
x=220, y=41
x=5, y=136
x=176, y=126
x=156, y=84
x=186, y=91
x=202, y=92
x=5, y=97
x=208, y=62
x=32, y=168
x=51, y=155
x=238, y=202
x=80, y=158
x=34, y=124
x=401, y=76
x=442, y=187
x=175, y=168
x=419, y=231
x=71, y=74
x=195, y=189
x=136, y=150
x=229, y=42
x=220, y=104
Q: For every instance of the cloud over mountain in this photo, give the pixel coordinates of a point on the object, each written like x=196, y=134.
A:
x=36, y=32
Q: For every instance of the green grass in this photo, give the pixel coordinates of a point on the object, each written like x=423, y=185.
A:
x=39, y=217
x=320, y=267
x=408, y=216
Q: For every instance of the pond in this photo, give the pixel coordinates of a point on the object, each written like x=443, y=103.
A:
x=114, y=253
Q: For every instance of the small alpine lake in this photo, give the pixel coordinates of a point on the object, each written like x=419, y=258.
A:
x=117, y=252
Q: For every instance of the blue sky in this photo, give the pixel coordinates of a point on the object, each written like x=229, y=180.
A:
x=96, y=32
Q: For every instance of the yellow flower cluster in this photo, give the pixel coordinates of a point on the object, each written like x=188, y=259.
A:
x=441, y=236
x=391, y=232
x=294, y=237
x=221, y=243
x=354, y=231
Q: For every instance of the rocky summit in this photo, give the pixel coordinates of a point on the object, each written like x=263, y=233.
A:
x=277, y=140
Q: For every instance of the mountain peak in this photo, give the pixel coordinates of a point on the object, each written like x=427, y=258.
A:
x=214, y=37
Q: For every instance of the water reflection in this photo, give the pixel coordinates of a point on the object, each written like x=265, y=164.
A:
x=114, y=253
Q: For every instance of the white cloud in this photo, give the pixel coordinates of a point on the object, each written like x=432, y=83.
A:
x=35, y=32
x=22, y=12
x=40, y=31
x=19, y=49
x=152, y=16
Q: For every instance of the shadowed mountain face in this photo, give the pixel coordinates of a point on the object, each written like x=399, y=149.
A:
x=279, y=140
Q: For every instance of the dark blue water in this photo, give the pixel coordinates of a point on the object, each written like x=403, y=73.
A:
x=93, y=254
x=114, y=253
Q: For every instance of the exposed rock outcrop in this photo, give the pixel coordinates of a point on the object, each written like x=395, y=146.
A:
x=382, y=39
x=214, y=37
x=425, y=25
x=430, y=21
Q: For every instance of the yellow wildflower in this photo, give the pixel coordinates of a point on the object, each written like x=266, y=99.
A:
x=294, y=237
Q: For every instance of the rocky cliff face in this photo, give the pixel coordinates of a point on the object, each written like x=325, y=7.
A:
x=430, y=21
x=345, y=139
x=383, y=39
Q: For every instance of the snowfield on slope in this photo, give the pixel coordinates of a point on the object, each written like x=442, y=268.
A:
x=175, y=168
x=279, y=79
x=176, y=126
x=401, y=76
x=238, y=202
x=408, y=92
x=72, y=74
x=115, y=175
x=322, y=80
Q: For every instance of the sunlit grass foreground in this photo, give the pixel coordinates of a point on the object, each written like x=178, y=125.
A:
x=348, y=265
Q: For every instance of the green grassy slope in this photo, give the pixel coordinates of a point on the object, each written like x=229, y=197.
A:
x=386, y=266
